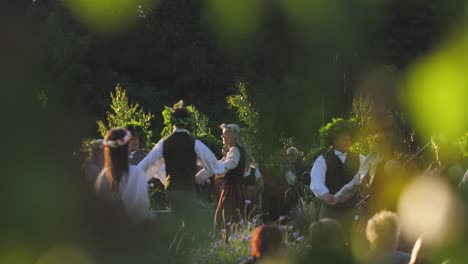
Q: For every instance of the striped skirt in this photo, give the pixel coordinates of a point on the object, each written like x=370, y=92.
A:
x=232, y=204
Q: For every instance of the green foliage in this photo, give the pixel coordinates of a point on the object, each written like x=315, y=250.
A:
x=233, y=245
x=248, y=116
x=197, y=124
x=463, y=143
x=123, y=113
x=137, y=130
x=214, y=144
x=363, y=112
x=338, y=125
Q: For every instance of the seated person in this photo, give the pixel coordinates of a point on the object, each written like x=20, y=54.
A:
x=382, y=232
x=326, y=242
x=267, y=245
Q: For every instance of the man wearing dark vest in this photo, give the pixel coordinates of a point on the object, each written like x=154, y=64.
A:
x=333, y=170
x=179, y=153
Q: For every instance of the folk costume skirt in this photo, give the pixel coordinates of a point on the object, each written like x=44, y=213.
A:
x=232, y=204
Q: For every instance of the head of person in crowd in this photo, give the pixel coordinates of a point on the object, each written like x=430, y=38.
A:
x=138, y=135
x=339, y=134
x=231, y=134
x=326, y=233
x=267, y=242
x=116, y=147
x=96, y=154
x=383, y=231
x=292, y=154
x=182, y=118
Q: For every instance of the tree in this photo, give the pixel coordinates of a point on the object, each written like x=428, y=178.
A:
x=248, y=116
x=123, y=113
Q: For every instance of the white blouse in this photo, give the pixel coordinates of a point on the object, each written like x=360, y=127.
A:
x=133, y=193
x=230, y=161
x=154, y=167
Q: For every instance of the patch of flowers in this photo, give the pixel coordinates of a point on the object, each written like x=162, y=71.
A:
x=232, y=245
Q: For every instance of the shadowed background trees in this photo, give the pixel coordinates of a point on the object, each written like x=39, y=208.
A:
x=300, y=62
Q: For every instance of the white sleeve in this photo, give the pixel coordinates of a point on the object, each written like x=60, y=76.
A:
x=317, y=177
x=210, y=164
x=258, y=174
x=348, y=190
x=232, y=159
x=153, y=159
x=208, y=159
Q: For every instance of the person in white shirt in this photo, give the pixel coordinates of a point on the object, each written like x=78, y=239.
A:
x=121, y=183
x=332, y=171
x=176, y=156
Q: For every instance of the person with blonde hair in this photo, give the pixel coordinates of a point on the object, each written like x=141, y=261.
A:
x=382, y=232
x=233, y=199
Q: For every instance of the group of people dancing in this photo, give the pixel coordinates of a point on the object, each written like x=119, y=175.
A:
x=181, y=162
x=176, y=162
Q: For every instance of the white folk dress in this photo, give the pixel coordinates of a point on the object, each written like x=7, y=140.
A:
x=133, y=193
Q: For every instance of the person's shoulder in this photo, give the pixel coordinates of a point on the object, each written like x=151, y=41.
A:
x=321, y=158
x=235, y=148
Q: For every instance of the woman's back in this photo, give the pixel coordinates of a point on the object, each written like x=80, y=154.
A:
x=132, y=194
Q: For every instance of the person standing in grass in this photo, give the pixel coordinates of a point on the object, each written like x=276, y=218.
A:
x=178, y=154
x=232, y=201
x=119, y=182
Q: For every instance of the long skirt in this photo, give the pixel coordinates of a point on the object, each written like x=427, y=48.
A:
x=232, y=203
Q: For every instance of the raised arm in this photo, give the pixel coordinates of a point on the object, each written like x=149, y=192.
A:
x=210, y=164
x=153, y=158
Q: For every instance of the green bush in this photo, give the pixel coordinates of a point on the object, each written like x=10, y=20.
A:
x=198, y=126
x=123, y=113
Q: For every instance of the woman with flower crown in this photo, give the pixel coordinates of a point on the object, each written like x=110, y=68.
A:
x=120, y=182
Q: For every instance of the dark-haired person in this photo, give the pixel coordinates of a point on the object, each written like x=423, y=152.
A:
x=177, y=155
x=266, y=245
x=120, y=182
x=138, y=133
x=332, y=171
x=326, y=242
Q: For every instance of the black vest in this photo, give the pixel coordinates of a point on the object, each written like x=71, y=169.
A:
x=339, y=174
x=180, y=159
x=236, y=175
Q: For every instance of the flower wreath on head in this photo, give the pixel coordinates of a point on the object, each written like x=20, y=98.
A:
x=187, y=122
x=118, y=142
